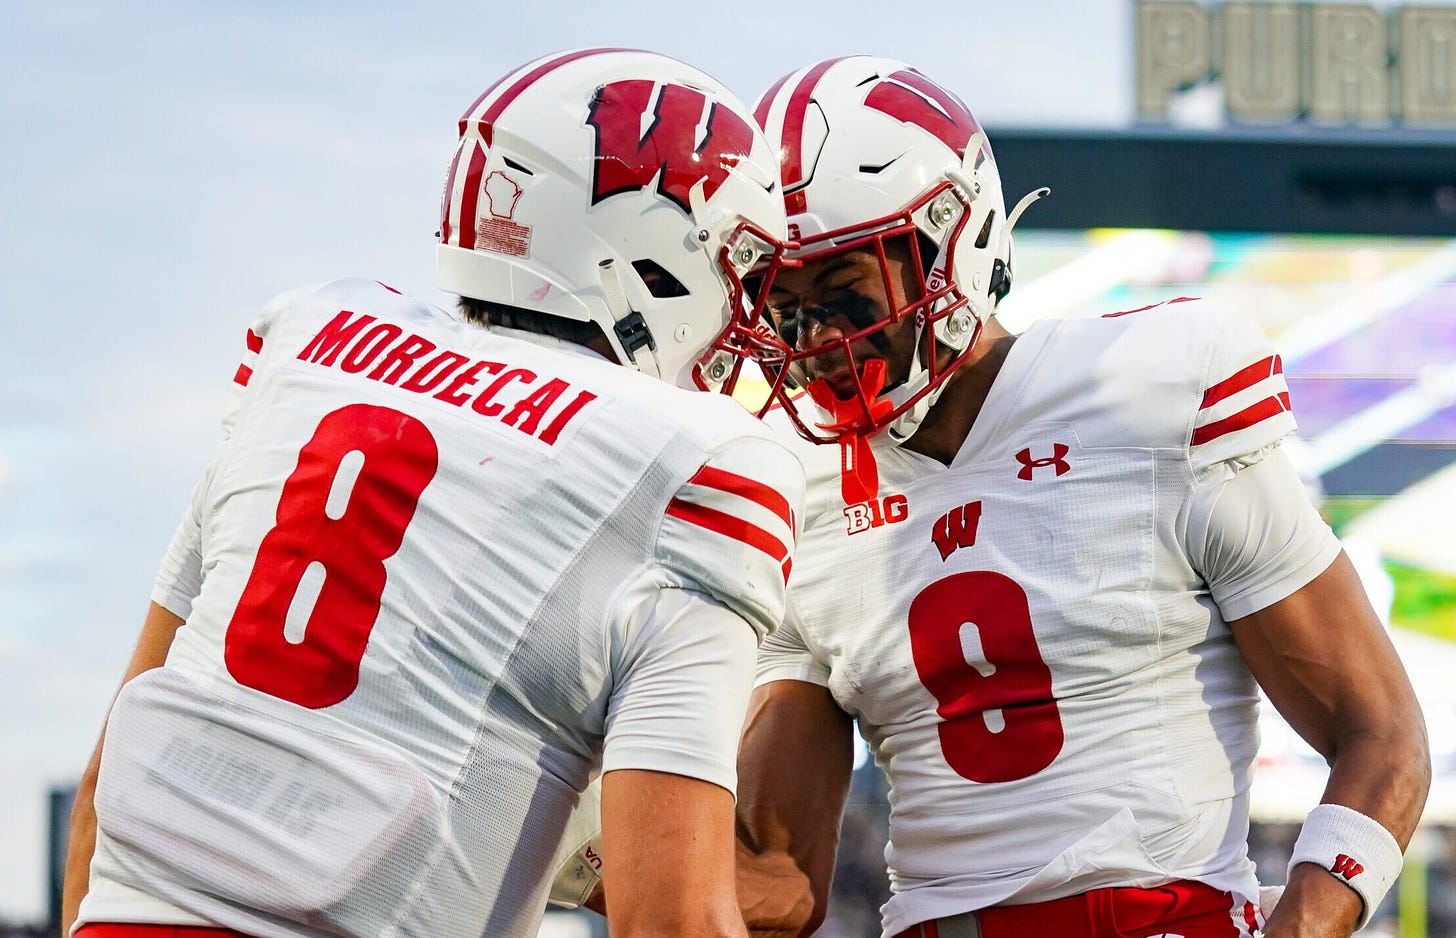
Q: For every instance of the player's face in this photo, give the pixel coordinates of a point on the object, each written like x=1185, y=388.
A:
x=844, y=304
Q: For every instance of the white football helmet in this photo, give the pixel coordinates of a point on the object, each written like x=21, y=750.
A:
x=871, y=149
x=618, y=187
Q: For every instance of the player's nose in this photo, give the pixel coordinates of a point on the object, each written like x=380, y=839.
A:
x=815, y=332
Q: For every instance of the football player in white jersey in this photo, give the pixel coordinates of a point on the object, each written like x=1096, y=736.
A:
x=1047, y=575
x=446, y=569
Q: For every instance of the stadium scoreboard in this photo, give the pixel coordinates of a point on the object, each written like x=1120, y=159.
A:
x=1325, y=64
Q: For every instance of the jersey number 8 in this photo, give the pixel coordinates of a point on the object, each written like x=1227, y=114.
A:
x=341, y=514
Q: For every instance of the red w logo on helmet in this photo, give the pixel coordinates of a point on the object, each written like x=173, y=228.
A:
x=910, y=97
x=670, y=149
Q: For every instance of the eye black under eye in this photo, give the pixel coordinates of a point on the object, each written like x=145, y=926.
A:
x=787, y=328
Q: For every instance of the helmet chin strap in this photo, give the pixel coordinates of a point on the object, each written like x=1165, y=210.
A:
x=630, y=329
x=904, y=426
x=907, y=423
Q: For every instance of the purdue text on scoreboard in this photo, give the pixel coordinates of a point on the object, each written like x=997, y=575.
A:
x=1337, y=64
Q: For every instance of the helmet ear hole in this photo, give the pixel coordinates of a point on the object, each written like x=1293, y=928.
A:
x=660, y=283
x=984, y=238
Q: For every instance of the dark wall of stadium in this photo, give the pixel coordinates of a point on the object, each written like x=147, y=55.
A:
x=1299, y=180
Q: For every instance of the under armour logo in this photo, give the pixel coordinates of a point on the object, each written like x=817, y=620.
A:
x=1057, y=458
x=1347, y=867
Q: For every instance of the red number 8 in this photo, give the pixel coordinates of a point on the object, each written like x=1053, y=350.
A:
x=1011, y=678
x=350, y=541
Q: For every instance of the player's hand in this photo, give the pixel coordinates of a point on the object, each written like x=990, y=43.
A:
x=1313, y=905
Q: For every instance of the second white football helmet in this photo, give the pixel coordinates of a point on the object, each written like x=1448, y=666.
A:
x=871, y=149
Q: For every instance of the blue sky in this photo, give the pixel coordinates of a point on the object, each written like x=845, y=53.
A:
x=167, y=167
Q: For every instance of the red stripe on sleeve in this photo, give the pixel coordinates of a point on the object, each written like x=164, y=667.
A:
x=243, y=376
x=1268, y=407
x=720, y=522
x=744, y=487
x=255, y=341
x=1242, y=379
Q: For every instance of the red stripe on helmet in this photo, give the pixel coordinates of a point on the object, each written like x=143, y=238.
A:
x=527, y=80
x=470, y=195
x=792, y=152
x=465, y=118
x=449, y=200
x=765, y=103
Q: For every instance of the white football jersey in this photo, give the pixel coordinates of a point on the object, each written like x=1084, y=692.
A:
x=436, y=577
x=1033, y=638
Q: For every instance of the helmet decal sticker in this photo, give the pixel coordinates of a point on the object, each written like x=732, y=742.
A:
x=908, y=97
x=688, y=142
x=498, y=232
x=477, y=130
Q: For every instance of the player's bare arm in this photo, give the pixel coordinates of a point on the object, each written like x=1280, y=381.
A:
x=150, y=652
x=1328, y=666
x=667, y=851
x=794, y=767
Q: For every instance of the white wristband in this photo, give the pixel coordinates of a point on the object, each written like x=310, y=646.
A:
x=1353, y=848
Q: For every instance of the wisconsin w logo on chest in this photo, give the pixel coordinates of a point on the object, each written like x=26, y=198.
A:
x=956, y=528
